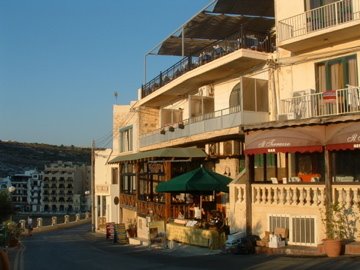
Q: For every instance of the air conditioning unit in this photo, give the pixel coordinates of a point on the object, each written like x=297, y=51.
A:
x=212, y=149
x=303, y=103
x=303, y=92
x=206, y=91
x=231, y=148
x=286, y=116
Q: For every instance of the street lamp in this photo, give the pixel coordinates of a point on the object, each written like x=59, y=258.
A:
x=87, y=200
x=11, y=189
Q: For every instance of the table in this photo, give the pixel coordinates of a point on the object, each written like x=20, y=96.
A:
x=193, y=236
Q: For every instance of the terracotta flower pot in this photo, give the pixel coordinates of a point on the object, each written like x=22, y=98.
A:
x=332, y=247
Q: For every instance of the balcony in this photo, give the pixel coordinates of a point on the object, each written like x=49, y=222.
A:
x=237, y=53
x=329, y=24
x=335, y=102
x=216, y=121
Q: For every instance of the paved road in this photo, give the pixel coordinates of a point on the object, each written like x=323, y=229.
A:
x=78, y=248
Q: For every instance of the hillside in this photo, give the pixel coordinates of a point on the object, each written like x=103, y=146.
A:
x=18, y=157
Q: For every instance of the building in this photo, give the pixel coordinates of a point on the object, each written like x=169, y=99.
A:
x=106, y=190
x=271, y=98
x=27, y=193
x=65, y=187
x=193, y=112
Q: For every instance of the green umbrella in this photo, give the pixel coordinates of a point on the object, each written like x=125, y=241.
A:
x=199, y=180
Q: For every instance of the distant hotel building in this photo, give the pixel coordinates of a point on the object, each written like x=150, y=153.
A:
x=64, y=187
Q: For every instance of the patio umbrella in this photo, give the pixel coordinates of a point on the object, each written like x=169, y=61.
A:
x=199, y=181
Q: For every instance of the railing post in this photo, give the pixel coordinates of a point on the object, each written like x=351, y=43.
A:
x=39, y=222
x=66, y=219
x=53, y=221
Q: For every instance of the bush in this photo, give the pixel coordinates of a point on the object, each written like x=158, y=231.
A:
x=6, y=207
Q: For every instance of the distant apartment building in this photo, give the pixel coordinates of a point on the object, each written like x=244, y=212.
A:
x=5, y=183
x=66, y=187
x=27, y=193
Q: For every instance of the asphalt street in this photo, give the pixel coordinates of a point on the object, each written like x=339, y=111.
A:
x=79, y=248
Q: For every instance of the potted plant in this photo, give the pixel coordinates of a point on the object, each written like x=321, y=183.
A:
x=340, y=224
x=132, y=228
x=14, y=232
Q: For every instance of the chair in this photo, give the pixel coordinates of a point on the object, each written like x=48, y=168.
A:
x=274, y=180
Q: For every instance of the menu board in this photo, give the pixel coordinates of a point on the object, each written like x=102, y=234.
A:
x=120, y=234
x=110, y=230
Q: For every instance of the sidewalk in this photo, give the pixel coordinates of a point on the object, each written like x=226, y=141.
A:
x=172, y=248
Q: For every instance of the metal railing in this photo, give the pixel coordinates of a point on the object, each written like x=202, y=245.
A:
x=218, y=120
x=240, y=40
x=319, y=18
x=334, y=102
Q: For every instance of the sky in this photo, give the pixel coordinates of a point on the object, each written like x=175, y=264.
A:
x=61, y=61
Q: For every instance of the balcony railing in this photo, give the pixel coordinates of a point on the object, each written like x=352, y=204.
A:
x=128, y=200
x=240, y=40
x=317, y=19
x=334, y=102
x=218, y=120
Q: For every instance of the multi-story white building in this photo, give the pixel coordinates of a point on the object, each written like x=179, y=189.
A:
x=266, y=92
x=65, y=187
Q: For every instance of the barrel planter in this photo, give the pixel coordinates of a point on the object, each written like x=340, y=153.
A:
x=332, y=247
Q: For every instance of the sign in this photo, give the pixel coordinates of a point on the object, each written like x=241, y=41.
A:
x=110, y=230
x=120, y=234
x=102, y=189
x=329, y=96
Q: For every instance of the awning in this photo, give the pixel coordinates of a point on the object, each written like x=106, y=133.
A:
x=344, y=136
x=206, y=28
x=246, y=7
x=287, y=140
x=198, y=180
x=189, y=152
x=217, y=21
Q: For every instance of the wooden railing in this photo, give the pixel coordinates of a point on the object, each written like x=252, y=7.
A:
x=144, y=208
x=128, y=200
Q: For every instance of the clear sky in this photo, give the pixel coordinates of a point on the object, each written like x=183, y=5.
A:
x=62, y=60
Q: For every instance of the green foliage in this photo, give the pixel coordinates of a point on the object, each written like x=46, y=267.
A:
x=13, y=229
x=6, y=207
x=340, y=222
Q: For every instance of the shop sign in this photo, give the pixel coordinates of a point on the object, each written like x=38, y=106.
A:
x=155, y=167
x=353, y=138
x=102, y=189
x=272, y=143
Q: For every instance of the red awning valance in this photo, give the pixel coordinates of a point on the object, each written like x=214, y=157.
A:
x=288, y=140
x=344, y=136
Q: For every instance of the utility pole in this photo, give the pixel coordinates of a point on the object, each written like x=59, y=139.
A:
x=93, y=186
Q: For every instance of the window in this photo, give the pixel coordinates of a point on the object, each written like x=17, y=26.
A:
x=255, y=94
x=150, y=176
x=126, y=139
x=128, y=179
x=312, y=4
x=170, y=116
x=301, y=228
x=325, y=13
x=200, y=107
x=235, y=96
x=336, y=73
x=114, y=176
